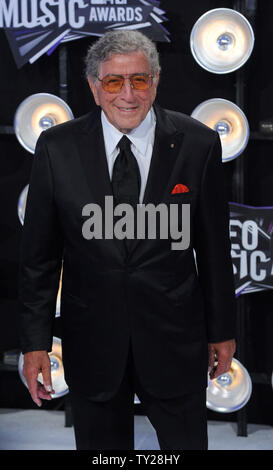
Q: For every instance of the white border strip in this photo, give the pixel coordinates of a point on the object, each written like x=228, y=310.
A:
x=46, y=48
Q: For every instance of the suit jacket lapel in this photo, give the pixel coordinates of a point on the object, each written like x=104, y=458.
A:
x=168, y=141
x=94, y=161
x=166, y=148
x=93, y=158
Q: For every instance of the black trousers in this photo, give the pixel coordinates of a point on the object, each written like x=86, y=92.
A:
x=180, y=423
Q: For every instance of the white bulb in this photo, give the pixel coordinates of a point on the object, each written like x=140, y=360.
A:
x=222, y=40
x=229, y=121
x=37, y=113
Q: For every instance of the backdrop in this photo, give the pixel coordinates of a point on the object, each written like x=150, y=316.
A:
x=183, y=85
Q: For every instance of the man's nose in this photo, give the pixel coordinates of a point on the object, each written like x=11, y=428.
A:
x=127, y=91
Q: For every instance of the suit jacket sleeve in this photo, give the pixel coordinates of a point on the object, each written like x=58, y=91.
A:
x=213, y=249
x=40, y=256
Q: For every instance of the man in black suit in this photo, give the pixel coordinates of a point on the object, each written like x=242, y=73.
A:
x=138, y=314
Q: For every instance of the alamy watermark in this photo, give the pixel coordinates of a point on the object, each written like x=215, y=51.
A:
x=133, y=226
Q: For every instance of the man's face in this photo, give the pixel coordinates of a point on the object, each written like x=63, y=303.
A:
x=128, y=108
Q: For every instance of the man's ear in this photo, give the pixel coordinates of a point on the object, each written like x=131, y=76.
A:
x=94, y=91
x=156, y=81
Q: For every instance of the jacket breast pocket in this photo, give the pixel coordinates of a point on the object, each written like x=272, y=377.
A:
x=181, y=198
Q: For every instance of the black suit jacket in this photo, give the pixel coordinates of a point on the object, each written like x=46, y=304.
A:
x=153, y=295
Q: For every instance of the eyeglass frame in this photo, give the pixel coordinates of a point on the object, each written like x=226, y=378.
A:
x=125, y=77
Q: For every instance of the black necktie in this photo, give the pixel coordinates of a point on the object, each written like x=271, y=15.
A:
x=126, y=178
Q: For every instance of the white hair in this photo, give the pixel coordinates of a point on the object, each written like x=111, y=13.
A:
x=120, y=42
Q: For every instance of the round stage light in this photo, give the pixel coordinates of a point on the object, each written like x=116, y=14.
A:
x=230, y=391
x=229, y=121
x=57, y=372
x=58, y=303
x=222, y=40
x=37, y=113
x=136, y=400
x=21, y=206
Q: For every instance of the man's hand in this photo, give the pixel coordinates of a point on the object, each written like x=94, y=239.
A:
x=34, y=363
x=220, y=357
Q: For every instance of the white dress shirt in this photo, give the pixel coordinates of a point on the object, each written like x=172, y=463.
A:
x=142, y=139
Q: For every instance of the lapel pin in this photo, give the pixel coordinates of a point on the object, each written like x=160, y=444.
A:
x=172, y=146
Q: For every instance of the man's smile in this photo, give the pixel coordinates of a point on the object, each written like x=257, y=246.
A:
x=127, y=109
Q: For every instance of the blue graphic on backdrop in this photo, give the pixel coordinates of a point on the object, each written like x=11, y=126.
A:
x=251, y=235
x=37, y=27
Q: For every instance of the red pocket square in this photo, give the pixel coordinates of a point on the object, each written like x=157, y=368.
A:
x=180, y=188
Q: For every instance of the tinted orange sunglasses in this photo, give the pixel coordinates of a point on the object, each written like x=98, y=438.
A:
x=114, y=83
